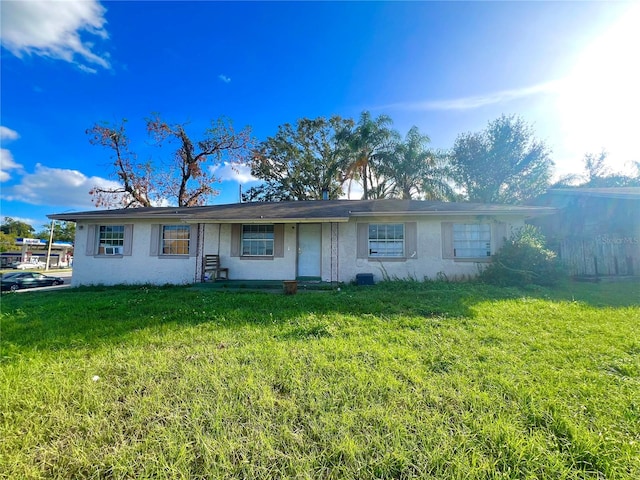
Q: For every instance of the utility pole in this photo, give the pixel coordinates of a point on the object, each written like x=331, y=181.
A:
x=49, y=246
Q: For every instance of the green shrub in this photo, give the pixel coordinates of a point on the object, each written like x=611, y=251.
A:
x=523, y=260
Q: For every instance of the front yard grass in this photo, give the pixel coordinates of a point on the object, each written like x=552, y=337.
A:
x=398, y=380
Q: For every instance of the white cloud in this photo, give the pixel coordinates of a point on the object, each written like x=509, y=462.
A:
x=86, y=69
x=56, y=187
x=53, y=29
x=352, y=191
x=8, y=134
x=6, y=158
x=162, y=202
x=224, y=78
x=477, y=101
x=236, y=173
x=7, y=163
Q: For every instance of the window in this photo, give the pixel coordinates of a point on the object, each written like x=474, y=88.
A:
x=386, y=240
x=471, y=240
x=175, y=239
x=110, y=239
x=257, y=240
x=391, y=242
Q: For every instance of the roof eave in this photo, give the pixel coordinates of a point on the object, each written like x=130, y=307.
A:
x=268, y=220
x=200, y=218
x=76, y=218
x=438, y=213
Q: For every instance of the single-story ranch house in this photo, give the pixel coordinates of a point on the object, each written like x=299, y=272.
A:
x=323, y=240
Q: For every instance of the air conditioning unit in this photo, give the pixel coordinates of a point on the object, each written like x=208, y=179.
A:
x=113, y=250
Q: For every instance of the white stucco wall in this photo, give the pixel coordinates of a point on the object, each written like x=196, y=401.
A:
x=325, y=262
x=428, y=262
x=138, y=268
x=243, y=268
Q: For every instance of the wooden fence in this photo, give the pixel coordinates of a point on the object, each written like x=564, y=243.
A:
x=602, y=255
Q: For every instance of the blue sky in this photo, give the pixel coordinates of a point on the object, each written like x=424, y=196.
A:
x=568, y=68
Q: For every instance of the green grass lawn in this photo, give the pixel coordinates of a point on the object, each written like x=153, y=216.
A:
x=399, y=380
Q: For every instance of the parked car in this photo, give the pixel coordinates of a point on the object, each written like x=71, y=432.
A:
x=15, y=281
x=27, y=265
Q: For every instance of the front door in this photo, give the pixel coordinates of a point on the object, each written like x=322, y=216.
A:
x=309, y=249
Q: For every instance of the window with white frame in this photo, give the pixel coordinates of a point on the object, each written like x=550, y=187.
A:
x=471, y=240
x=257, y=240
x=386, y=240
x=175, y=239
x=110, y=240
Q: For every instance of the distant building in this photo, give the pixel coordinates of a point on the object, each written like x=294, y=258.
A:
x=33, y=250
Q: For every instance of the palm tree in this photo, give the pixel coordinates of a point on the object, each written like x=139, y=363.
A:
x=365, y=145
x=415, y=170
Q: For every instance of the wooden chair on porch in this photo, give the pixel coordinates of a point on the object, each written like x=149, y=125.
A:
x=212, y=266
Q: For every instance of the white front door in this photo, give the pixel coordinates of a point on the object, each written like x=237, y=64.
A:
x=309, y=249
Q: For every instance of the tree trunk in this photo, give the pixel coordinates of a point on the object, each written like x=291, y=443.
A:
x=365, y=184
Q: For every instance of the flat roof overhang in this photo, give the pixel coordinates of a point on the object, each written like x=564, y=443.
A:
x=268, y=220
x=528, y=212
x=343, y=216
x=70, y=217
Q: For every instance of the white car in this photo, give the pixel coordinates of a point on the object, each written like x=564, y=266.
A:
x=28, y=265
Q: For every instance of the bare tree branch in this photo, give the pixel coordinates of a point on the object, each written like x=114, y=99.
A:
x=188, y=180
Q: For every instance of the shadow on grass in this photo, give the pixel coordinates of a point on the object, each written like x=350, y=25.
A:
x=88, y=317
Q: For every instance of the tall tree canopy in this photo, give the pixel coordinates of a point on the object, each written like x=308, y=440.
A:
x=7, y=242
x=600, y=175
x=186, y=181
x=414, y=171
x=368, y=142
x=300, y=161
x=62, y=232
x=10, y=229
x=502, y=164
x=16, y=228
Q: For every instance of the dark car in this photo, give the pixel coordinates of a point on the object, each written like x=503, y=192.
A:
x=14, y=281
